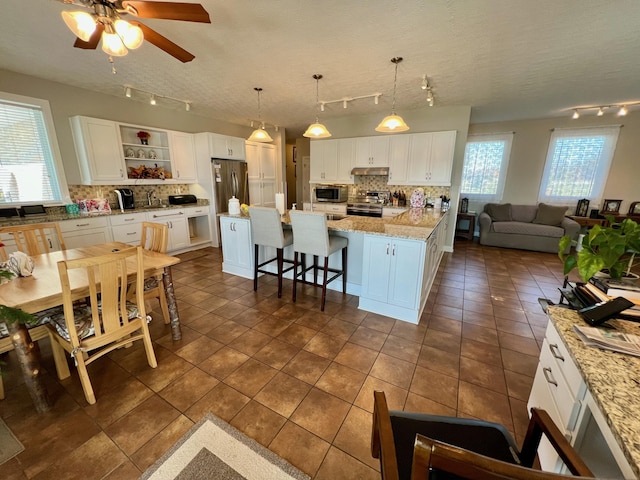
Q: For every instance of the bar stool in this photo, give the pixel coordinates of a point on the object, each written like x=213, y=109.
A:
x=311, y=236
x=266, y=228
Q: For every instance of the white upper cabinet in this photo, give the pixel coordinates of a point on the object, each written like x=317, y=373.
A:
x=372, y=151
x=324, y=161
x=146, y=163
x=261, y=167
x=97, y=143
x=431, y=158
x=183, y=157
x=224, y=146
x=346, y=160
x=399, y=159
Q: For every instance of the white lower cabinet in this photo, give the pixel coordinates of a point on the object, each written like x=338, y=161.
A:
x=176, y=220
x=237, y=246
x=86, y=231
x=127, y=228
x=559, y=388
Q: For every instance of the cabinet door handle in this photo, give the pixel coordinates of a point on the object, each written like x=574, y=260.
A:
x=387, y=249
x=178, y=173
x=555, y=351
x=549, y=376
x=121, y=173
x=50, y=244
x=393, y=250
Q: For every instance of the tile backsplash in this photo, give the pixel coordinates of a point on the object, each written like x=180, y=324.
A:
x=379, y=183
x=139, y=192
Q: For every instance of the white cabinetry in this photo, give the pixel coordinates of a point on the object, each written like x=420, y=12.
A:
x=199, y=224
x=176, y=220
x=431, y=158
x=372, y=151
x=261, y=163
x=86, y=231
x=127, y=228
x=399, y=159
x=223, y=146
x=97, y=143
x=237, y=247
x=324, y=161
x=392, y=270
x=183, y=157
x=150, y=163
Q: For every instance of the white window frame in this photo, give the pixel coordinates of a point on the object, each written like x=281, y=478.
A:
x=52, y=140
x=507, y=140
x=599, y=173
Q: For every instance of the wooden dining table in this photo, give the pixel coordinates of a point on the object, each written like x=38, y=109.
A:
x=42, y=290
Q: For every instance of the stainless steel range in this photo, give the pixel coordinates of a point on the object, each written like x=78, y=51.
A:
x=367, y=204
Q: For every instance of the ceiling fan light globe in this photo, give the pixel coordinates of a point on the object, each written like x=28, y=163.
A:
x=131, y=35
x=82, y=24
x=260, y=135
x=316, y=130
x=112, y=45
x=392, y=124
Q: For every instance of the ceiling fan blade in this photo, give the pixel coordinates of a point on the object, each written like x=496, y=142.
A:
x=92, y=43
x=188, y=12
x=164, y=43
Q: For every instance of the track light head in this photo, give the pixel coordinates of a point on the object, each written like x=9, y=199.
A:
x=576, y=114
x=600, y=111
x=623, y=111
x=152, y=100
x=127, y=92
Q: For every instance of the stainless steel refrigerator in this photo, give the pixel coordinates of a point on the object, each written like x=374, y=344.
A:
x=231, y=179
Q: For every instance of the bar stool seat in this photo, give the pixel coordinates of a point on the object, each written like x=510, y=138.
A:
x=266, y=229
x=311, y=237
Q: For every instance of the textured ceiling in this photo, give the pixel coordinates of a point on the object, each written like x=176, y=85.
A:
x=507, y=59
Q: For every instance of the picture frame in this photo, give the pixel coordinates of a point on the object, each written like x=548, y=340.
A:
x=610, y=207
x=634, y=209
x=582, y=208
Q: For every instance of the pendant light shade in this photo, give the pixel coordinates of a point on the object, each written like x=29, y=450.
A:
x=317, y=130
x=81, y=24
x=393, y=123
x=260, y=134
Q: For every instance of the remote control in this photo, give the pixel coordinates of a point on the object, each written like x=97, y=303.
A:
x=599, y=313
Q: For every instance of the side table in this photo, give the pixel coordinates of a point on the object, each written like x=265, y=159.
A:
x=588, y=221
x=468, y=219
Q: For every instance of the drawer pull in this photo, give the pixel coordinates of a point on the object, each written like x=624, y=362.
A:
x=168, y=215
x=555, y=351
x=548, y=376
x=82, y=224
x=129, y=219
x=131, y=233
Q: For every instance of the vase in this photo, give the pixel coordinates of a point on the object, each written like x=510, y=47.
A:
x=144, y=141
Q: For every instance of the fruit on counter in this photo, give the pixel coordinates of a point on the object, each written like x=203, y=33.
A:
x=244, y=208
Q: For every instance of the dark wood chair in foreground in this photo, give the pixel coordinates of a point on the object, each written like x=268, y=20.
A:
x=421, y=446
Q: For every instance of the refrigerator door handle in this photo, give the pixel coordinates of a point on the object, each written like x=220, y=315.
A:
x=234, y=184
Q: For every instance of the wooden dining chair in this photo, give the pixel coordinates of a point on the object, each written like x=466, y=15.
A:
x=108, y=322
x=393, y=441
x=155, y=237
x=32, y=239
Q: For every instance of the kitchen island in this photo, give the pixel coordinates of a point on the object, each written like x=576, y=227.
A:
x=391, y=261
x=592, y=395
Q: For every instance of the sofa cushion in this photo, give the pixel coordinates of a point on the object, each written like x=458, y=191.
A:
x=522, y=228
x=550, y=215
x=499, y=212
x=523, y=213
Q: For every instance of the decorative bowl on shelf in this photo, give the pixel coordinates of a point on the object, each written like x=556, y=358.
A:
x=130, y=153
x=141, y=154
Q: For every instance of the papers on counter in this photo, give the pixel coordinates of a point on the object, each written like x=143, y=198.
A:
x=609, y=340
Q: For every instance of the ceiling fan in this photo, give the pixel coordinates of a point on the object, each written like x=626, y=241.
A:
x=105, y=23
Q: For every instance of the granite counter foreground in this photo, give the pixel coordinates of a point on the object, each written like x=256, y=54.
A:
x=612, y=378
x=415, y=223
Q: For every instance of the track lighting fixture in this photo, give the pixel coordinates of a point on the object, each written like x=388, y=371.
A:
x=317, y=130
x=426, y=86
x=259, y=134
x=622, y=109
x=393, y=123
x=154, y=97
x=345, y=101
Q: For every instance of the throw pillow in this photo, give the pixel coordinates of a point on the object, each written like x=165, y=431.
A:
x=550, y=215
x=499, y=212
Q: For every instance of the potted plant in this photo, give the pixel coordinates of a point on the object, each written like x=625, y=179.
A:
x=612, y=249
x=144, y=137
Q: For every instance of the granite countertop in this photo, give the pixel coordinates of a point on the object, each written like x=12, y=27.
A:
x=59, y=214
x=414, y=224
x=612, y=378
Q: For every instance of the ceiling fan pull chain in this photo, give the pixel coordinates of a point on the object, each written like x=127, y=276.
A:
x=113, y=65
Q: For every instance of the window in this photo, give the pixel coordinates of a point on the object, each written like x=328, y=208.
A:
x=30, y=165
x=486, y=158
x=577, y=164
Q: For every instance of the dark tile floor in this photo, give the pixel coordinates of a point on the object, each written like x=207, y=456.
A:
x=295, y=379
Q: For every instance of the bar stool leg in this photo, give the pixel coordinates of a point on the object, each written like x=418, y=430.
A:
x=255, y=268
x=280, y=268
x=315, y=269
x=295, y=274
x=344, y=270
x=324, y=283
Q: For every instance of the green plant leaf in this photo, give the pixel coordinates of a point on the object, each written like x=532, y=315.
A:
x=562, y=246
x=570, y=263
x=589, y=264
x=11, y=315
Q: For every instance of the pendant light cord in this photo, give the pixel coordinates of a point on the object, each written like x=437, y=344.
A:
x=317, y=76
x=259, y=90
x=396, y=61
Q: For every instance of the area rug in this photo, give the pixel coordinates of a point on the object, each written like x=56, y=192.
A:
x=10, y=446
x=214, y=450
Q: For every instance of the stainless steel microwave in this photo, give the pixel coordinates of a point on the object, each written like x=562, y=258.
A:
x=332, y=193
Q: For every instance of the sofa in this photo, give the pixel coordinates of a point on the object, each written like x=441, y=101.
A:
x=526, y=227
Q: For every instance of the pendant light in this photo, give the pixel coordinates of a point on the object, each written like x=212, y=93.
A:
x=393, y=123
x=260, y=134
x=317, y=130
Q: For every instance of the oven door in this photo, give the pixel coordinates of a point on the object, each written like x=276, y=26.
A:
x=364, y=211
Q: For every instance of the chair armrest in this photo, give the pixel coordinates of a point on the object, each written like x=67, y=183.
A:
x=541, y=423
x=484, y=221
x=571, y=227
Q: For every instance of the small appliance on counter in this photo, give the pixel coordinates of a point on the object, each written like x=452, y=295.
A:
x=182, y=199
x=332, y=193
x=125, y=199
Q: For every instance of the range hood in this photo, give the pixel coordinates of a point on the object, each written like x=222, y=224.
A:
x=371, y=171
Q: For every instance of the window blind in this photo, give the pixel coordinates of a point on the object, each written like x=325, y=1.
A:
x=486, y=159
